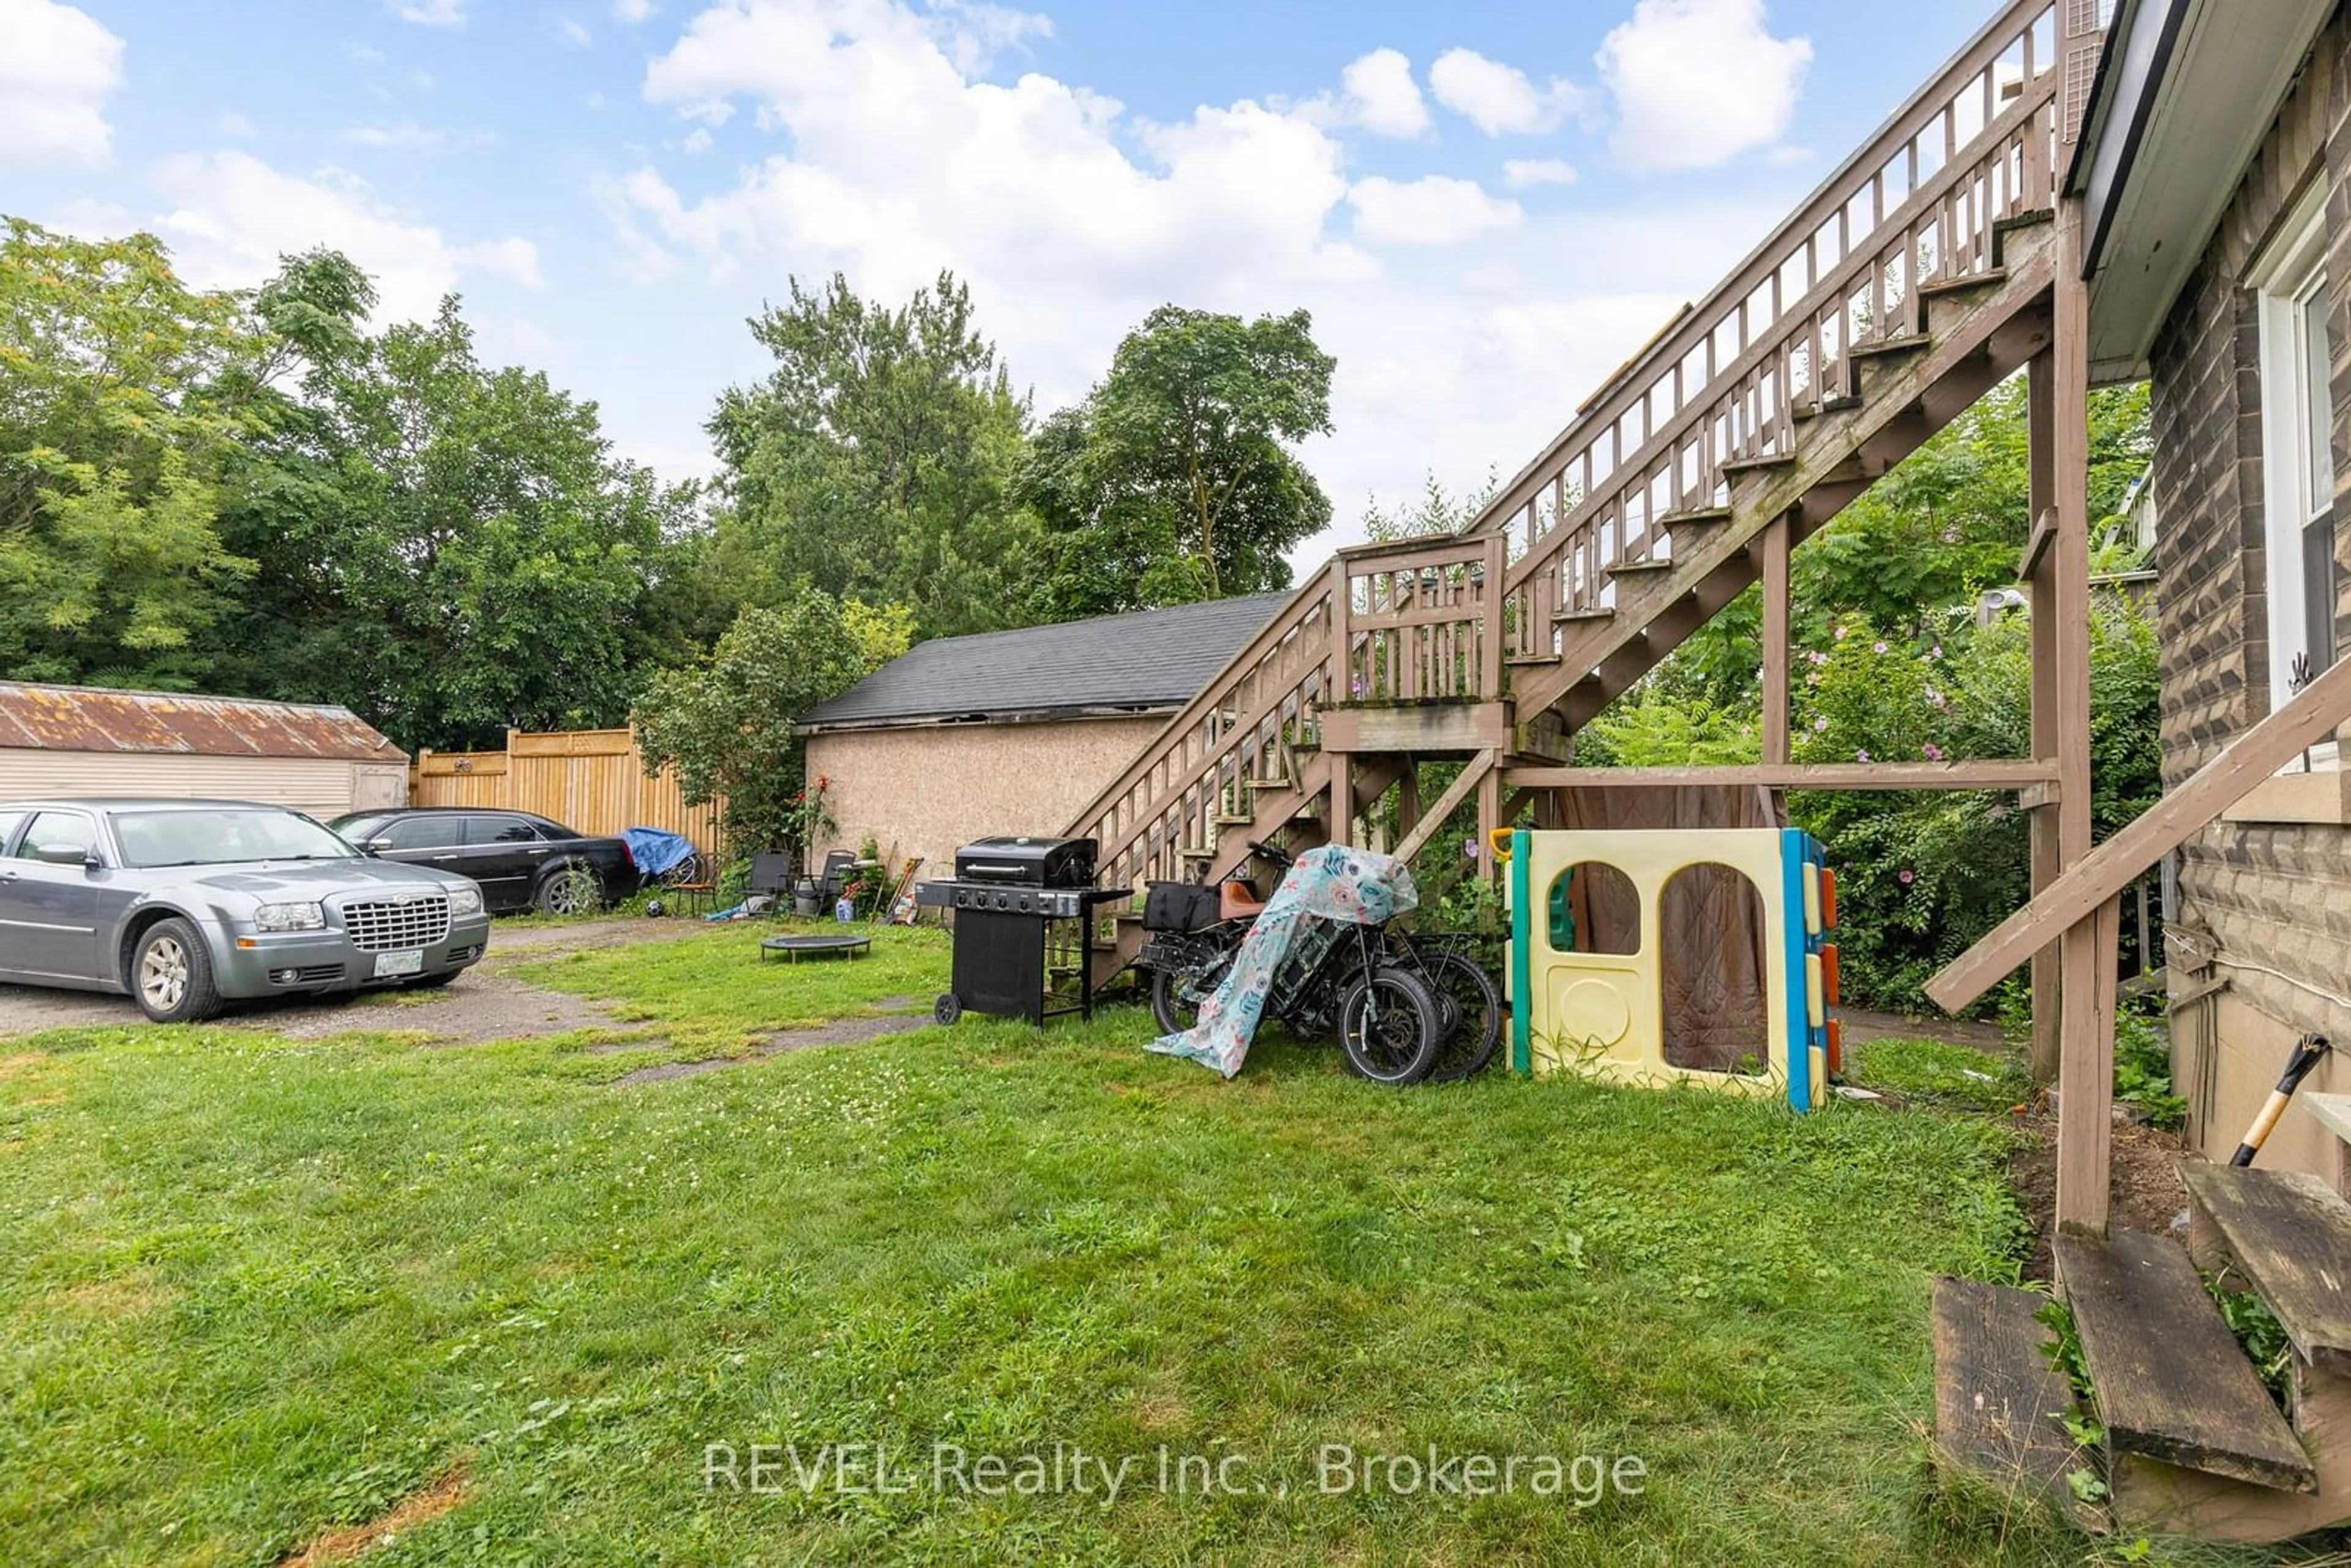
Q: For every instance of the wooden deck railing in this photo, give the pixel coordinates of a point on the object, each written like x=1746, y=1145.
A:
x=1914, y=211
x=1420, y=618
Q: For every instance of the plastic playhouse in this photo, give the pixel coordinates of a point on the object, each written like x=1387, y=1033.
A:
x=1591, y=952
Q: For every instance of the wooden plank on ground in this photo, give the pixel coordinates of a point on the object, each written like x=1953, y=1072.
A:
x=1998, y=1395
x=2290, y=1235
x=2171, y=1381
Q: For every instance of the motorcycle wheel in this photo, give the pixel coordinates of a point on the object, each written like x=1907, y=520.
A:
x=1168, y=1007
x=1389, y=1027
x=1469, y=994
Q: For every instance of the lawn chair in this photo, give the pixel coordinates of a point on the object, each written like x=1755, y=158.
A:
x=771, y=873
x=834, y=877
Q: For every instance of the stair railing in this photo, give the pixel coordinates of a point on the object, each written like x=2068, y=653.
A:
x=1419, y=619
x=1242, y=726
x=1917, y=209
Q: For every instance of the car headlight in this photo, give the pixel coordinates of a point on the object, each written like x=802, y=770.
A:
x=288, y=917
x=464, y=901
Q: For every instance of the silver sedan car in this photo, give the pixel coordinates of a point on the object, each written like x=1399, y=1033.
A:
x=187, y=903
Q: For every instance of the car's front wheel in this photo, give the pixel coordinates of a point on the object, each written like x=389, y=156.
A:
x=172, y=974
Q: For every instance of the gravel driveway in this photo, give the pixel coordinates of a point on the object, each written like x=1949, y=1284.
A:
x=483, y=1004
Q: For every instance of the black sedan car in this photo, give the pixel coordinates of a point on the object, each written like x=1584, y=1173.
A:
x=521, y=860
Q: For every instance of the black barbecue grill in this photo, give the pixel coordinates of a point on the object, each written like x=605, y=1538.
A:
x=1023, y=915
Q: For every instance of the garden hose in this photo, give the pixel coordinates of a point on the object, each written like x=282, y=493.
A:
x=2306, y=1052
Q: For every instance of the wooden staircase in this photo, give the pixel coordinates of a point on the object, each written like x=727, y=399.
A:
x=2193, y=1443
x=1912, y=281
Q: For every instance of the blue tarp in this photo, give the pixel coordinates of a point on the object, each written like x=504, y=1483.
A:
x=654, y=851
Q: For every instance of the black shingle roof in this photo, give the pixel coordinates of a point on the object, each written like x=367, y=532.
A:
x=1150, y=659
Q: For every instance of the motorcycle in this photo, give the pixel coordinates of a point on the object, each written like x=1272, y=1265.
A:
x=1402, y=1008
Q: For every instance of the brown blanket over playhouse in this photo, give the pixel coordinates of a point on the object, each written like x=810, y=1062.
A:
x=1711, y=927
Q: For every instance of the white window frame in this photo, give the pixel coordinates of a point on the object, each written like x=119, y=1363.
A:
x=2289, y=279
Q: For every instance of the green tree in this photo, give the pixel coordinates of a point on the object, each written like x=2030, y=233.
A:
x=447, y=548
x=1196, y=419
x=875, y=461
x=1437, y=511
x=728, y=723
x=1923, y=875
x=1945, y=524
x=118, y=403
x=1103, y=550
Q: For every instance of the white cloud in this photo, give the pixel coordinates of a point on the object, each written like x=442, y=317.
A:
x=230, y=217
x=232, y=123
x=573, y=34
x=365, y=56
x=406, y=134
x=1697, y=82
x=901, y=163
x=1520, y=172
x=1433, y=210
x=1069, y=217
x=696, y=140
x=633, y=11
x=429, y=12
x=58, y=68
x=1497, y=98
x=1381, y=97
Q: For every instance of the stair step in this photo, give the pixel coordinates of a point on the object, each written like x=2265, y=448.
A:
x=2171, y=1381
x=1590, y=612
x=1631, y=568
x=1904, y=344
x=2332, y=1111
x=1530, y=661
x=1739, y=467
x=1999, y=1399
x=1225, y=819
x=1936, y=286
x=2291, y=1238
x=1696, y=517
x=1280, y=782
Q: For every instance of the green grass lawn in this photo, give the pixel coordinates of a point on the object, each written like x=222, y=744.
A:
x=255, y=1289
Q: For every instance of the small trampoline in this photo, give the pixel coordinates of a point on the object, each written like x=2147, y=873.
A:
x=842, y=945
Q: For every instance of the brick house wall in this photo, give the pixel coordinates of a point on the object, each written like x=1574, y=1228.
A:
x=2264, y=905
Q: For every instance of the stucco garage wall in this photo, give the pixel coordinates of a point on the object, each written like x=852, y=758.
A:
x=926, y=790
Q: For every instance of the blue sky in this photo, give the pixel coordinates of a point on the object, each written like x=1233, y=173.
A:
x=1486, y=206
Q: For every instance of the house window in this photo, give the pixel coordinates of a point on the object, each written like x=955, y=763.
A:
x=2297, y=448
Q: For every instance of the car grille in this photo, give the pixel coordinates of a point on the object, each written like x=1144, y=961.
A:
x=383, y=925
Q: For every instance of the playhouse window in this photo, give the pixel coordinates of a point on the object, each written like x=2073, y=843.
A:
x=1712, y=960
x=1593, y=907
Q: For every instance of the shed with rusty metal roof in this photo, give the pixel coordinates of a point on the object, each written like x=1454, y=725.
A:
x=87, y=741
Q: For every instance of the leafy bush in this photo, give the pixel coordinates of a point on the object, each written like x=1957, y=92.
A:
x=1922, y=876
x=2143, y=1070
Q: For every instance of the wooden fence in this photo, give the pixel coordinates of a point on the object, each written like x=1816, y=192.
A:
x=591, y=780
